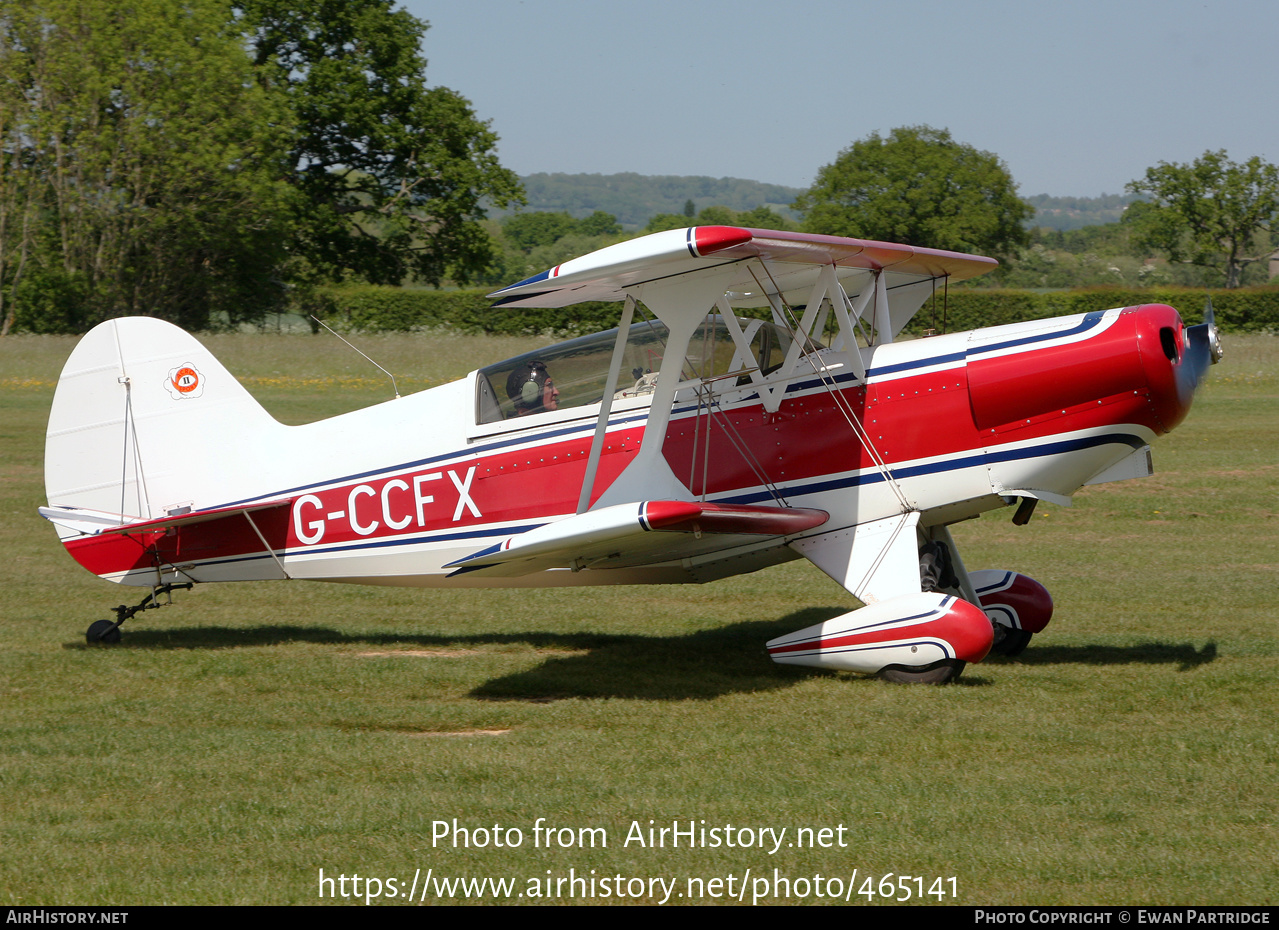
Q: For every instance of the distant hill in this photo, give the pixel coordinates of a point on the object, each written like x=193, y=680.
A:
x=1066, y=213
x=635, y=198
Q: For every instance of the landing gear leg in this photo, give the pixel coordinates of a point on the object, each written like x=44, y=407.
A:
x=107, y=632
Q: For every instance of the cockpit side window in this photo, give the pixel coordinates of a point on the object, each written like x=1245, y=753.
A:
x=576, y=372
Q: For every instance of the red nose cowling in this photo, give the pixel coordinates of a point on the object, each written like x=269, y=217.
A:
x=1147, y=362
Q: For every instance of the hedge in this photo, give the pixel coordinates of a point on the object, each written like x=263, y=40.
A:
x=391, y=309
x=1253, y=309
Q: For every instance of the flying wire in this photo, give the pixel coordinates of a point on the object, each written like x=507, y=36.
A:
x=841, y=402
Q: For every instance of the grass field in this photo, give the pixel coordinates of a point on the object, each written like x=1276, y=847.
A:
x=243, y=740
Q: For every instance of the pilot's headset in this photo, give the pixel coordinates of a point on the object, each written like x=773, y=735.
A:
x=524, y=384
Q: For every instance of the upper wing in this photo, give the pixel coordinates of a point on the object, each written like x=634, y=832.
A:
x=794, y=260
x=644, y=533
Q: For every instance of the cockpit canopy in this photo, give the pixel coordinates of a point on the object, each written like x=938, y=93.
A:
x=579, y=367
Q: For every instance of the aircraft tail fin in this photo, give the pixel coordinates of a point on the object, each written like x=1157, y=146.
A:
x=146, y=423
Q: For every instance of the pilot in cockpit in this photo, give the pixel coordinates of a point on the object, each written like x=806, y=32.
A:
x=531, y=389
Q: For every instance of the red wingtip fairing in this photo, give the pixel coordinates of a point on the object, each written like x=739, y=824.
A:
x=711, y=239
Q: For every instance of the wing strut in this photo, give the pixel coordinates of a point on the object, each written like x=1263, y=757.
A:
x=248, y=515
x=606, y=406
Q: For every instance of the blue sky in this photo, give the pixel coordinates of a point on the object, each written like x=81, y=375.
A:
x=1077, y=98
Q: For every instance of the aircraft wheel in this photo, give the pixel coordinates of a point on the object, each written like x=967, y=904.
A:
x=936, y=674
x=1013, y=643
x=103, y=632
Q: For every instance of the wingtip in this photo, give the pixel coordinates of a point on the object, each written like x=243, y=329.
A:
x=707, y=240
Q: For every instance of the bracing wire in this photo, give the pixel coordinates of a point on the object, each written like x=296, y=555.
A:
x=841, y=402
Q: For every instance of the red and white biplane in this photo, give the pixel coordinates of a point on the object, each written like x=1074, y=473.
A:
x=687, y=445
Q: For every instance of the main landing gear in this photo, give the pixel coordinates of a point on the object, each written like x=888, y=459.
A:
x=939, y=673
x=1018, y=606
x=107, y=632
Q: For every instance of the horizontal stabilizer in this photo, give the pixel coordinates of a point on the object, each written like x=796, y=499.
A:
x=97, y=523
x=632, y=534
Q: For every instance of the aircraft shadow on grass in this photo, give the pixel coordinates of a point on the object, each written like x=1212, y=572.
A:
x=698, y=666
x=704, y=664
x=1184, y=655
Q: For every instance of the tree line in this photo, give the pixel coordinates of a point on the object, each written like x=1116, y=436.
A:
x=221, y=160
x=1209, y=223
x=636, y=198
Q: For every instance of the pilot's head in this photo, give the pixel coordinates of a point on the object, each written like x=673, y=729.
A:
x=532, y=389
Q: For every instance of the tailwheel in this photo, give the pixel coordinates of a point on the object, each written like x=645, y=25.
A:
x=107, y=632
x=103, y=633
x=939, y=673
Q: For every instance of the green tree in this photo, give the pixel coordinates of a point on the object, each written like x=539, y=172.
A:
x=527, y=231
x=138, y=165
x=716, y=215
x=599, y=223
x=762, y=218
x=661, y=222
x=1212, y=212
x=391, y=174
x=920, y=187
x=197, y=160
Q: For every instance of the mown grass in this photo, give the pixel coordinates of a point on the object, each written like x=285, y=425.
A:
x=251, y=735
